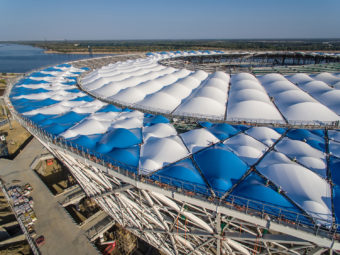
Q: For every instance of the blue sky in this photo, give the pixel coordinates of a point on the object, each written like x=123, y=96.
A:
x=168, y=19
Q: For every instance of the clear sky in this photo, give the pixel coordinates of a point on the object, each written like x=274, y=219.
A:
x=168, y=19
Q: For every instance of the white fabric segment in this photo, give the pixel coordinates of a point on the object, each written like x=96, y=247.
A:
x=58, y=95
x=159, y=130
x=328, y=78
x=87, y=127
x=198, y=139
x=248, y=100
x=169, y=97
x=137, y=93
x=67, y=106
x=319, y=90
x=159, y=152
x=209, y=99
x=293, y=103
x=113, y=87
x=304, y=154
x=265, y=135
x=246, y=148
x=100, y=122
x=304, y=187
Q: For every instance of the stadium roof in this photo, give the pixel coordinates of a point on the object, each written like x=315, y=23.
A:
x=281, y=167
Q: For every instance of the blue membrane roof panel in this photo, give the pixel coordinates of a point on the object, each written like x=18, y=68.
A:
x=205, y=124
x=127, y=158
x=86, y=142
x=220, y=167
x=26, y=91
x=24, y=105
x=334, y=166
x=110, y=108
x=84, y=98
x=69, y=118
x=69, y=82
x=75, y=90
x=52, y=69
x=30, y=81
x=223, y=131
x=334, y=148
x=314, y=140
x=182, y=174
x=41, y=75
x=155, y=119
x=260, y=195
x=38, y=118
x=64, y=65
x=119, y=138
x=57, y=129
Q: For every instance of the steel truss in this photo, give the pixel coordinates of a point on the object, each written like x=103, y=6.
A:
x=177, y=224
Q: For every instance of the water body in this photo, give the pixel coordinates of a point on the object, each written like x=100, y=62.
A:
x=15, y=58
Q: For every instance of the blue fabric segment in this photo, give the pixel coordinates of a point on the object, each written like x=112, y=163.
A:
x=39, y=117
x=110, y=108
x=221, y=168
x=72, y=78
x=69, y=83
x=27, y=81
x=85, y=68
x=222, y=131
x=84, y=98
x=318, y=132
x=280, y=130
x=27, y=91
x=52, y=69
x=20, y=101
x=312, y=139
x=182, y=174
x=39, y=75
x=85, y=142
x=57, y=129
x=254, y=188
x=128, y=157
x=334, y=166
x=69, y=117
x=119, y=138
x=64, y=65
x=205, y=124
x=34, y=104
x=155, y=119
x=73, y=90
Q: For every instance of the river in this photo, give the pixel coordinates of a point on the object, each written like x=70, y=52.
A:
x=16, y=58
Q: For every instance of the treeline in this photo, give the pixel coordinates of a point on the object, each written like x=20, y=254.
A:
x=172, y=45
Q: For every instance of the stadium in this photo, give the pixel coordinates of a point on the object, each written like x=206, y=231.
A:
x=199, y=152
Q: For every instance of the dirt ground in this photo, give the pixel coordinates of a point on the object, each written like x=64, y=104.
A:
x=15, y=137
x=56, y=177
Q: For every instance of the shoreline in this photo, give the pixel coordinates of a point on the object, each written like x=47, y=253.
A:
x=94, y=52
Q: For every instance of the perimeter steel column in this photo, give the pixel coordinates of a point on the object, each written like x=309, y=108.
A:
x=218, y=228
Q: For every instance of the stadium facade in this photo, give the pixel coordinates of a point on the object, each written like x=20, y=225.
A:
x=219, y=161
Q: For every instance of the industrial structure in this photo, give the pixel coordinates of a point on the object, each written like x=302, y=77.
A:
x=199, y=152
